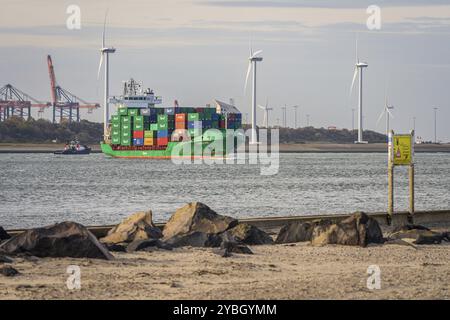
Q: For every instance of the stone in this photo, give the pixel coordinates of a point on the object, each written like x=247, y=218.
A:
x=235, y=247
x=418, y=236
x=138, y=226
x=197, y=217
x=295, y=232
x=356, y=230
x=407, y=227
x=66, y=239
x=5, y=259
x=116, y=247
x=140, y=245
x=224, y=253
x=9, y=271
x=3, y=234
x=248, y=234
x=195, y=239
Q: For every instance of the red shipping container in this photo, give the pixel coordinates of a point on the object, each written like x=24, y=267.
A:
x=180, y=125
x=162, y=141
x=138, y=134
x=180, y=117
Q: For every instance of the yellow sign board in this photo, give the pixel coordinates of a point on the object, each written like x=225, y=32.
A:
x=402, y=150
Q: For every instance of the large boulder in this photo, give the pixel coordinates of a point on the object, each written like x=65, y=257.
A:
x=195, y=239
x=197, y=217
x=418, y=236
x=295, y=232
x=357, y=230
x=66, y=239
x=248, y=234
x=138, y=226
x=3, y=234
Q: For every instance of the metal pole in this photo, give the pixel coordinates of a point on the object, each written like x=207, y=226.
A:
x=254, y=138
x=360, y=117
x=390, y=176
x=353, y=119
x=435, y=125
x=411, y=178
x=105, y=98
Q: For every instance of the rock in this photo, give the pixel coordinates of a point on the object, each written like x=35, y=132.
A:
x=418, y=236
x=295, y=232
x=235, y=247
x=197, y=217
x=116, y=247
x=139, y=245
x=138, y=226
x=3, y=234
x=407, y=227
x=66, y=239
x=224, y=253
x=5, y=259
x=249, y=234
x=195, y=239
x=358, y=229
x=9, y=271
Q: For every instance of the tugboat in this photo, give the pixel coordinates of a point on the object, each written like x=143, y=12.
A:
x=74, y=147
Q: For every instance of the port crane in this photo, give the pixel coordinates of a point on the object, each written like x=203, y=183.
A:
x=14, y=102
x=66, y=105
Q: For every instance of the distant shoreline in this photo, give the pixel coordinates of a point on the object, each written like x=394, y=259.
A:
x=284, y=148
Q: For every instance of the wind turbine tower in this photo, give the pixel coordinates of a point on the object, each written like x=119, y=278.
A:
x=253, y=59
x=104, y=54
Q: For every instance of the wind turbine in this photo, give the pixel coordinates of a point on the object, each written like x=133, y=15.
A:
x=359, y=66
x=386, y=111
x=266, y=113
x=252, y=60
x=104, y=54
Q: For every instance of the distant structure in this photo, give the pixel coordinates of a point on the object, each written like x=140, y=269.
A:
x=359, y=66
x=14, y=102
x=225, y=108
x=266, y=113
x=66, y=106
x=253, y=59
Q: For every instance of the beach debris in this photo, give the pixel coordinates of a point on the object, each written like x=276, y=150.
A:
x=140, y=245
x=295, y=232
x=9, y=271
x=248, y=234
x=417, y=235
x=138, y=226
x=197, y=217
x=358, y=230
x=65, y=239
x=195, y=239
x=3, y=234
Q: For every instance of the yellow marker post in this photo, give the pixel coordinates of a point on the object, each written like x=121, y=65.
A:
x=400, y=153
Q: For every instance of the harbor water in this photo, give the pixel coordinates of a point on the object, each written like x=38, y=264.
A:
x=41, y=189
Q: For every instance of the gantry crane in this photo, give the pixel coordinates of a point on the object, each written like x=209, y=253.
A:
x=66, y=106
x=14, y=102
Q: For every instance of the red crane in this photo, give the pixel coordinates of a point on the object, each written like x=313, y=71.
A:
x=66, y=106
x=14, y=102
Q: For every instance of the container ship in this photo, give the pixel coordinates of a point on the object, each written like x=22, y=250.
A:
x=143, y=129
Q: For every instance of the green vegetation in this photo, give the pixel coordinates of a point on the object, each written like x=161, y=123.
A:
x=17, y=130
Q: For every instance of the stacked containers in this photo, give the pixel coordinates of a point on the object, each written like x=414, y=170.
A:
x=180, y=121
x=166, y=125
x=125, y=131
x=115, y=129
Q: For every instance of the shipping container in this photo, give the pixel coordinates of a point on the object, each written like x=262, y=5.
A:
x=138, y=134
x=193, y=116
x=115, y=132
x=154, y=127
x=162, y=118
x=149, y=134
x=122, y=111
x=115, y=125
x=163, y=133
x=125, y=120
x=138, y=141
x=125, y=127
x=180, y=117
x=115, y=118
x=162, y=141
x=149, y=141
x=180, y=125
x=133, y=112
x=116, y=140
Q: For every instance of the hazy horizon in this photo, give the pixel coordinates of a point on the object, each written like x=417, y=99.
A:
x=195, y=51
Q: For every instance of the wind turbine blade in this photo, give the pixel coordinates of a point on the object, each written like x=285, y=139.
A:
x=381, y=116
x=248, y=74
x=260, y=106
x=353, y=81
x=100, y=66
x=256, y=53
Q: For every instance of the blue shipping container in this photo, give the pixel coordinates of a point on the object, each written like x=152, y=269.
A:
x=138, y=142
x=162, y=133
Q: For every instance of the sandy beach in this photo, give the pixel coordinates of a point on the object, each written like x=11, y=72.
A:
x=290, y=271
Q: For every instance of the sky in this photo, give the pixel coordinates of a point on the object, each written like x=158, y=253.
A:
x=197, y=50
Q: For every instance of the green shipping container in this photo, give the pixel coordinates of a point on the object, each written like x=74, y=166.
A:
x=126, y=127
x=115, y=125
x=125, y=120
x=115, y=132
x=116, y=140
x=138, y=123
x=193, y=116
x=122, y=111
x=162, y=118
x=162, y=126
x=194, y=132
x=149, y=134
x=154, y=127
x=115, y=119
x=133, y=112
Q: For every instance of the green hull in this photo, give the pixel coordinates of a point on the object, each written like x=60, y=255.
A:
x=183, y=149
